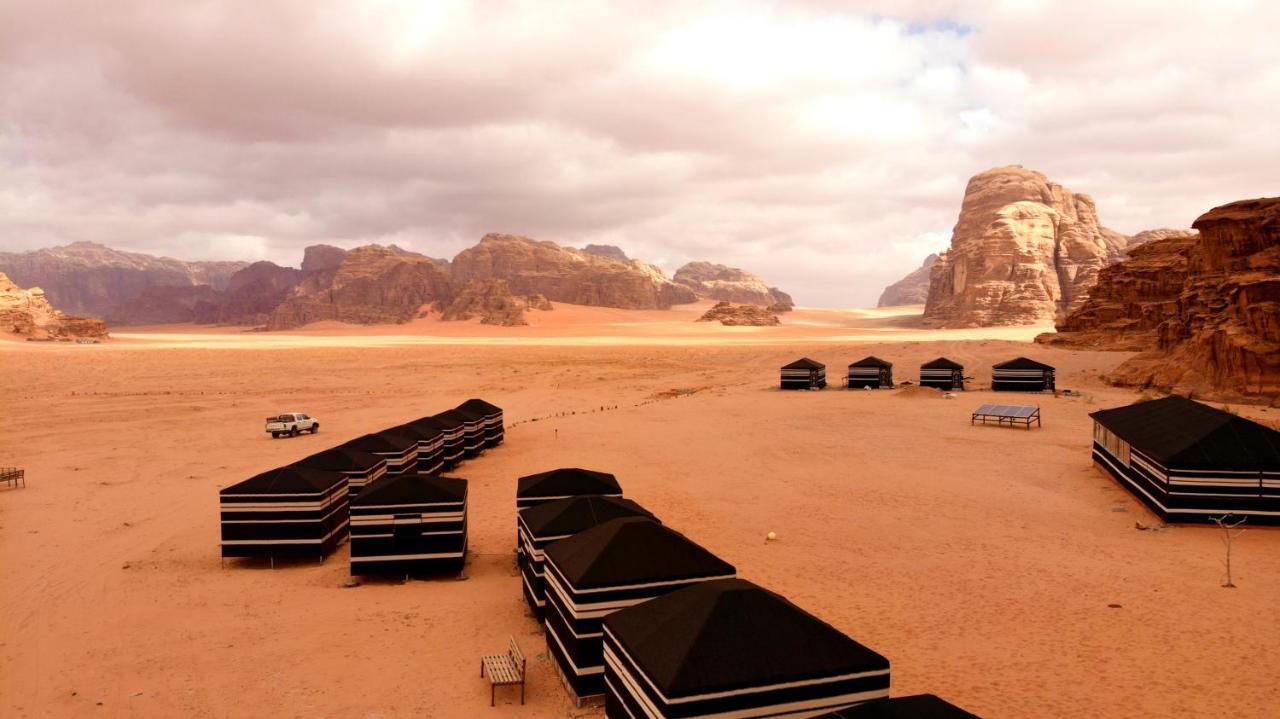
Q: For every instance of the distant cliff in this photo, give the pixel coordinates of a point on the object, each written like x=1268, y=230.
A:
x=27, y=312
x=910, y=290
x=711, y=281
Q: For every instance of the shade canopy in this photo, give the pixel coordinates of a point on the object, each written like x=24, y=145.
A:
x=1183, y=433
x=872, y=361
x=1022, y=363
x=804, y=363
x=629, y=551
x=941, y=363
x=566, y=482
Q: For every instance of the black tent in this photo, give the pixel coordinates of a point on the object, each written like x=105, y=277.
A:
x=400, y=450
x=472, y=430
x=492, y=414
x=1188, y=461
x=729, y=647
x=453, y=426
x=409, y=524
x=360, y=468
x=943, y=374
x=1022, y=375
x=618, y=564
x=550, y=522
x=804, y=373
x=430, y=441
x=870, y=372
x=535, y=489
x=288, y=511
x=918, y=706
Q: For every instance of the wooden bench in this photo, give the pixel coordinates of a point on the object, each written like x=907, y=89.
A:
x=504, y=669
x=13, y=476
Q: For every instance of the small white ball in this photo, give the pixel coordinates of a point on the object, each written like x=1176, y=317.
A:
x=771, y=536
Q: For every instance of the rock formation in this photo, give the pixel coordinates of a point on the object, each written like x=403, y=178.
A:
x=1024, y=250
x=910, y=290
x=718, y=282
x=731, y=315
x=88, y=278
x=322, y=257
x=609, y=251
x=563, y=274
x=28, y=313
x=373, y=285
x=251, y=295
x=1146, y=236
x=493, y=303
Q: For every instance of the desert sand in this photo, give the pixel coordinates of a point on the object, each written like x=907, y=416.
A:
x=982, y=561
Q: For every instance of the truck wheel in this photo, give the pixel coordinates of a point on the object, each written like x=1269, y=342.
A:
x=315, y=428
x=275, y=435
x=294, y=431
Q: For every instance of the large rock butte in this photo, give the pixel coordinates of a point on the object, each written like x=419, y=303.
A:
x=27, y=312
x=731, y=315
x=1024, y=250
x=493, y=303
x=710, y=281
x=910, y=290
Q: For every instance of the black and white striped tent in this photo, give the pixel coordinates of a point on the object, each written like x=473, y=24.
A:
x=1189, y=462
x=492, y=414
x=1022, y=375
x=472, y=430
x=870, y=372
x=917, y=706
x=618, y=564
x=454, y=427
x=430, y=439
x=535, y=489
x=804, y=373
x=550, y=522
x=360, y=468
x=730, y=648
x=943, y=374
x=400, y=450
x=288, y=511
x=409, y=524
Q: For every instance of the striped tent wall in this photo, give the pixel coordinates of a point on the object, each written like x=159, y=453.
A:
x=493, y=421
x=410, y=532
x=944, y=379
x=531, y=559
x=803, y=378
x=451, y=448
x=299, y=521
x=868, y=377
x=430, y=457
x=473, y=439
x=1021, y=380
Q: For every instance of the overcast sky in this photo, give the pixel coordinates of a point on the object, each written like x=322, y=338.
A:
x=824, y=145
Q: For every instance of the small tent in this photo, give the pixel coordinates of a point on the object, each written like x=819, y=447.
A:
x=454, y=427
x=430, y=439
x=804, y=373
x=288, y=511
x=1022, y=375
x=409, y=524
x=870, y=372
x=492, y=414
x=472, y=430
x=360, y=468
x=943, y=374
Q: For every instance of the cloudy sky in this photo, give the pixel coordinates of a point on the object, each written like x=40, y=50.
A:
x=824, y=145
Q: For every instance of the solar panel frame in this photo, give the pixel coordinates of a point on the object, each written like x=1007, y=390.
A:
x=1002, y=413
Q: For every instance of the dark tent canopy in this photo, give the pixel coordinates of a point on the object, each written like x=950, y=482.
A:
x=804, y=373
x=492, y=414
x=1180, y=432
x=1022, y=363
x=804, y=363
x=870, y=372
x=918, y=706
x=730, y=646
x=292, y=479
x=534, y=489
x=360, y=468
x=1022, y=375
x=872, y=361
x=409, y=523
x=942, y=373
x=942, y=363
x=400, y=450
x=285, y=511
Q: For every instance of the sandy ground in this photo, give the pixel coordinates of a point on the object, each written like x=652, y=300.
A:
x=982, y=561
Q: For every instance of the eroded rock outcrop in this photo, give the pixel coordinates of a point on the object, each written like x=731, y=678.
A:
x=563, y=274
x=493, y=303
x=910, y=290
x=251, y=295
x=731, y=315
x=609, y=251
x=711, y=281
x=316, y=258
x=27, y=312
x=1024, y=250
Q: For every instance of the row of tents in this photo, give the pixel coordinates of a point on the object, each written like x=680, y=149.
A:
x=1016, y=375
x=383, y=489
x=661, y=627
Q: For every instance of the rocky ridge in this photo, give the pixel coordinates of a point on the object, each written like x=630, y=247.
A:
x=731, y=315
x=27, y=312
x=711, y=281
x=910, y=290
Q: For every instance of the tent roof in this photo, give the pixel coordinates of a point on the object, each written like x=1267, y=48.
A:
x=567, y=481
x=1021, y=363
x=412, y=489
x=291, y=479
x=479, y=406
x=942, y=363
x=804, y=363
x=632, y=550
x=459, y=416
x=918, y=706
x=872, y=361
x=730, y=634
x=341, y=459
x=1183, y=433
x=444, y=423
x=572, y=515
x=384, y=441
x=417, y=430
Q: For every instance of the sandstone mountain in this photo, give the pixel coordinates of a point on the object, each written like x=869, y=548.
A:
x=27, y=312
x=1209, y=304
x=249, y=298
x=493, y=303
x=1024, y=250
x=89, y=278
x=563, y=274
x=1146, y=236
x=910, y=290
x=710, y=281
x=731, y=315
x=607, y=251
x=322, y=257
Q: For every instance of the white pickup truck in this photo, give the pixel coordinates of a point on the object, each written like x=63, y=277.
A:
x=292, y=424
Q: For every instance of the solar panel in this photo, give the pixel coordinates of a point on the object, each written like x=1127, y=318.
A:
x=1005, y=410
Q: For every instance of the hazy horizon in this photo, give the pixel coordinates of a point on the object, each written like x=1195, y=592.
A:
x=824, y=146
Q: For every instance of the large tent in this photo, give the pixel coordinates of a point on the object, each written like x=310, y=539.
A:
x=1022, y=375
x=1189, y=462
x=870, y=372
x=453, y=426
x=409, y=524
x=472, y=430
x=730, y=648
x=943, y=374
x=535, y=489
x=492, y=414
x=917, y=706
x=360, y=468
x=288, y=511
x=430, y=441
x=550, y=522
x=804, y=373
x=612, y=566
x=400, y=450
